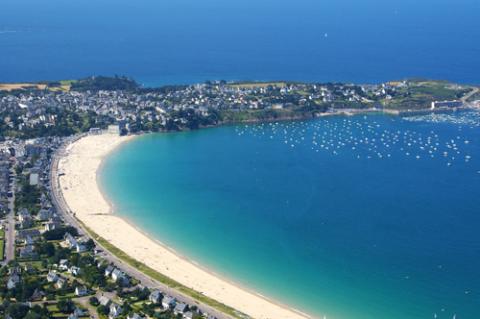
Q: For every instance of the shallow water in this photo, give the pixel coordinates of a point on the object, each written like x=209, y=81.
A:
x=348, y=217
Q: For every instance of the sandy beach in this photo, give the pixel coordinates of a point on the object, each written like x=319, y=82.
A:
x=83, y=196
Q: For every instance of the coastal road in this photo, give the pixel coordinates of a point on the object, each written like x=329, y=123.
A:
x=62, y=208
x=10, y=230
x=469, y=95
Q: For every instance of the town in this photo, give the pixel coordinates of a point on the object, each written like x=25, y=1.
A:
x=52, y=267
x=69, y=107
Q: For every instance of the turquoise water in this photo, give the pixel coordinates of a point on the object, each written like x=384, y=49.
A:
x=358, y=217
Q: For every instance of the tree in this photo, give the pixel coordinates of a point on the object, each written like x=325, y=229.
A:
x=93, y=301
x=90, y=244
x=17, y=310
x=103, y=310
x=66, y=305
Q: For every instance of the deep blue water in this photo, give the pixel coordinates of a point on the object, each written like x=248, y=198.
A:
x=360, y=217
x=183, y=41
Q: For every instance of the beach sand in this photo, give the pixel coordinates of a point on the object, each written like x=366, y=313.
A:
x=83, y=196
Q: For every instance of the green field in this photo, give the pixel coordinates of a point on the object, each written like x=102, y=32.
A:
x=252, y=85
x=2, y=244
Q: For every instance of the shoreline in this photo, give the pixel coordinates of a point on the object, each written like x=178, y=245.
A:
x=82, y=192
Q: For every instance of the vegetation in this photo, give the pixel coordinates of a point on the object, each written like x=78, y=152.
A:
x=162, y=278
x=28, y=197
x=67, y=122
x=96, y=83
x=2, y=244
x=59, y=233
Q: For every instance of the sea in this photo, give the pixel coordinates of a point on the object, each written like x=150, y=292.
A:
x=360, y=217
x=342, y=217
x=185, y=41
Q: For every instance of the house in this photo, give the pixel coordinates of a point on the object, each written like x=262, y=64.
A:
x=23, y=214
x=155, y=296
x=70, y=240
x=74, y=270
x=119, y=276
x=63, y=264
x=168, y=302
x=180, y=308
x=44, y=214
x=51, y=226
x=81, y=291
x=134, y=316
x=104, y=301
x=28, y=268
x=33, y=233
x=109, y=270
x=28, y=252
x=188, y=315
x=115, y=311
x=37, y=295
x=80, y=248
x=72, y=316
x=61, y=282
x=28, y=240
x=13, y=281
x=26, y=222
x=446, y=104
x=79, y=312
x=52, y=276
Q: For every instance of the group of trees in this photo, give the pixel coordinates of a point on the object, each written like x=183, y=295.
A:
x=59, y=233
x=22, y=311
x=96, y=83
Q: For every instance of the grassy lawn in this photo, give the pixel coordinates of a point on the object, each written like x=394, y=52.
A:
x=2, y=244
x=251, y=85
x=2, y=249
x=162, y=278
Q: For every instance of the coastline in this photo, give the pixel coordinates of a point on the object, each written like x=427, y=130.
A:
x=82, y=193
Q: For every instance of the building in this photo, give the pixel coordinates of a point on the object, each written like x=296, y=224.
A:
x=155, y=297
x=188, y=315
x=180, y=308
x=70, y=240
x=80, y=248
x=446, y=104
x=74, y=270
x=44, y=214
x=61, y=282
x=51, y=226
x=168, y=302
x=28, y=252
x=104, y=301
x=52, y=276
x=95, y=131
x=63, y=264
x=119, y=276
x=114, y=129
x=109, y=270
x=13, y=281
x=115, y=311
x=81, y=291
x=33, y=179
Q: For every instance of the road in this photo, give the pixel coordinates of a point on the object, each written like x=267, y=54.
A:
x=62, y=208
x=469, y=95
x=10, y=229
